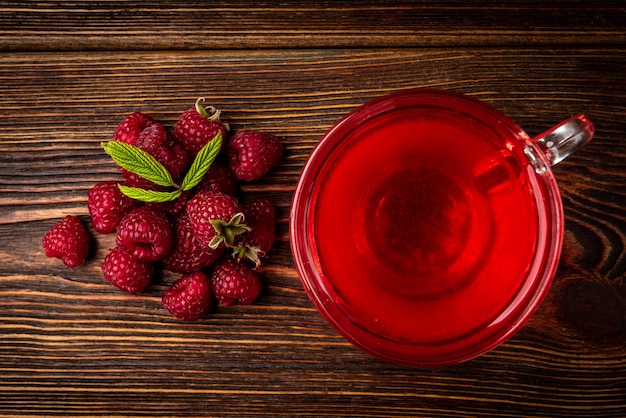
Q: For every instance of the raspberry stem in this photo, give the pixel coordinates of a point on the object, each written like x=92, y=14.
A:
x=209, y=112
x=227, y=231
x=251, y=253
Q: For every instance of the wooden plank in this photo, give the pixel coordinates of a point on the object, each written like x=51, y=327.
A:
x=135, y=25
x=71, y=344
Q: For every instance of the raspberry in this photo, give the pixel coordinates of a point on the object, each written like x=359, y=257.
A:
x=189, y=298
x=260, y=214
x=234, y=283
x=67, y=240
x=252, y=154
x=187, y=254
x=195, y=128
x=260, y=218
x=126, y=272
x=156, y=141
x=160, y=144
x=107, y=206
x=215, y=218
x=131, y=126
x=218, y=179
x=145, y=233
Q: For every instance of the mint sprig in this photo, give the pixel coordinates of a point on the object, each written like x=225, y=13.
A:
x=141, y=163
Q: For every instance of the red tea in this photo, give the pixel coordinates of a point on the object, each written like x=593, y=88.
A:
x=424, y=224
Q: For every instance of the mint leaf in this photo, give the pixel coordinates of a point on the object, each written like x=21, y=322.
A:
x=139, y=162
x=202, y=162
x=152, y=196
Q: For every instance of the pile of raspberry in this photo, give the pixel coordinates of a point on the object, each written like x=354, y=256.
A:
x=211, y=235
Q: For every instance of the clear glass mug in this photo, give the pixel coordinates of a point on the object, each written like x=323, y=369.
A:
x=426, y=226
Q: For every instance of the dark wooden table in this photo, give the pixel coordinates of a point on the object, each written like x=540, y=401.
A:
x=71, y=344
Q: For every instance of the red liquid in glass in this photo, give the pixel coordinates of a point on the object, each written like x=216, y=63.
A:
x=424, y=226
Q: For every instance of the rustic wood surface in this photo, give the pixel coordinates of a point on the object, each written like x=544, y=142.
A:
x=72, y=345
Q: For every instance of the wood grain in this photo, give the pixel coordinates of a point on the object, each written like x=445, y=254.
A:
x=160, y=24
x=72, y=345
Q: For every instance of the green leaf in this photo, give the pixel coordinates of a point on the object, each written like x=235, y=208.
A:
x=152, y=196
x=139, y=162
x=202, y=162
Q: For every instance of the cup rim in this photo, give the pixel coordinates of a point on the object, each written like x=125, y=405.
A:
x=299, y=227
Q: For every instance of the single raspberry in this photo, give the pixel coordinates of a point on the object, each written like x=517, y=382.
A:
x=261, y=218
x=107, y=206
x=156, y=141
x=218, y=179
x=145, y=233
x=126, y=272
x=131, y=126
x=162, y=145
x=216, y=218
x=252, y=154
x=188, y=254
x=260, y=215
x=189, y=298
x=197, y=126
x=234, y=283
x=67, y=240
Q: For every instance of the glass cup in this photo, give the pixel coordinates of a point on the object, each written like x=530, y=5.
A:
x=426, y=226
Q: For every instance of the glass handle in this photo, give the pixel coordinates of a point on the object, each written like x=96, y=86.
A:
x=565, y=138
